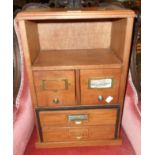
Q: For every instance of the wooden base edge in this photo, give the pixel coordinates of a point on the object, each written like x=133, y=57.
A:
x=78, y=143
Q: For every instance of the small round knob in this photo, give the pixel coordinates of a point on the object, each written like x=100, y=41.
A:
x=100, y=98
x=56, y=100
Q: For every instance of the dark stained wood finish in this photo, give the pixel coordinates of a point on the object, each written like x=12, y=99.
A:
x=51, y=85
x=90, y=95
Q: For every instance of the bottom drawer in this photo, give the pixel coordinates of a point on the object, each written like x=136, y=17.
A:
x=76, y=134
x=55, y=134
x=78, y=123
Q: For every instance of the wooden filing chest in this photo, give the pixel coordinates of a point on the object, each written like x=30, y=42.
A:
x=77, y=65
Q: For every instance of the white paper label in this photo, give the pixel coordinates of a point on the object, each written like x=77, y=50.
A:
x=109, y=99
x=101, y=83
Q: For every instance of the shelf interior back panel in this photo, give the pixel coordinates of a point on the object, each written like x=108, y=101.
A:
x=76, y=59
x=74, y=35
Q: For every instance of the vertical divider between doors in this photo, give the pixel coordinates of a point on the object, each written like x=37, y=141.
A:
x=77, y=87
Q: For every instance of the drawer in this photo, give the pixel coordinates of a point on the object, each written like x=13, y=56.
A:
x=79, y=117
x=92, y=132
x=52, y=134
x=54, y=88
x=102, y=132
x=78, y=134
x=64, y=134
x=99, y=86
x=55, y=134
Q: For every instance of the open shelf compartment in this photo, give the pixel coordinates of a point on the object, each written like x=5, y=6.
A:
x=76, y=44
x=76, y=59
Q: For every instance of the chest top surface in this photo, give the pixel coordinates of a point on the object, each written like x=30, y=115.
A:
x=84, y=13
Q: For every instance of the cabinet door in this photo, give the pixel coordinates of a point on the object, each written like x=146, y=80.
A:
x=100, y=86
x=55, y=88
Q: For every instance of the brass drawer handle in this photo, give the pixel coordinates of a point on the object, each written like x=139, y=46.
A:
x=44, y=85
x=56, y=100
x=79, y=137
x=78, y=122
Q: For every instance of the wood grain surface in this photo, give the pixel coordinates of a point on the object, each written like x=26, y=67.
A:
x=51, y=85
x=76, y=59
x=63, y=50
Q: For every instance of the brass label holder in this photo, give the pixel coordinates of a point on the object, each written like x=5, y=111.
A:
x=43, y=85
x=78, y=117
x=100, y=83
